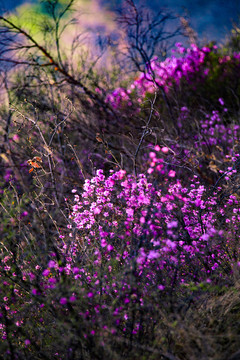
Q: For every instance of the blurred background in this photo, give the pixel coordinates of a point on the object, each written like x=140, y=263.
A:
x=211, y=19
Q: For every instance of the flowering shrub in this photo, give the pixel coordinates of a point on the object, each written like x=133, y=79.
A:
x=169, y=225
x=109, y=264
x=188, y=69
x=130, y=239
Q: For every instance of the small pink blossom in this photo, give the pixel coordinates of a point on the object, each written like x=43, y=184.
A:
x=109, y=247
x=15, y=137
x=172, y=224
x=153, y=255
x=172, y=173
x=152, y=155
x=165, y=149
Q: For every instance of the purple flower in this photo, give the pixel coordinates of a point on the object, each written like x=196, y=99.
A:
x=75, y=270
x=63, y=301
x=72, y=298
x=34, y=291
x=51, y=264
x=221, y=101
x=46, y=272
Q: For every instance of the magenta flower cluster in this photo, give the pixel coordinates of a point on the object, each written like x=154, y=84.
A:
x=177, y=226
x=184, y=63
x=188, y=64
